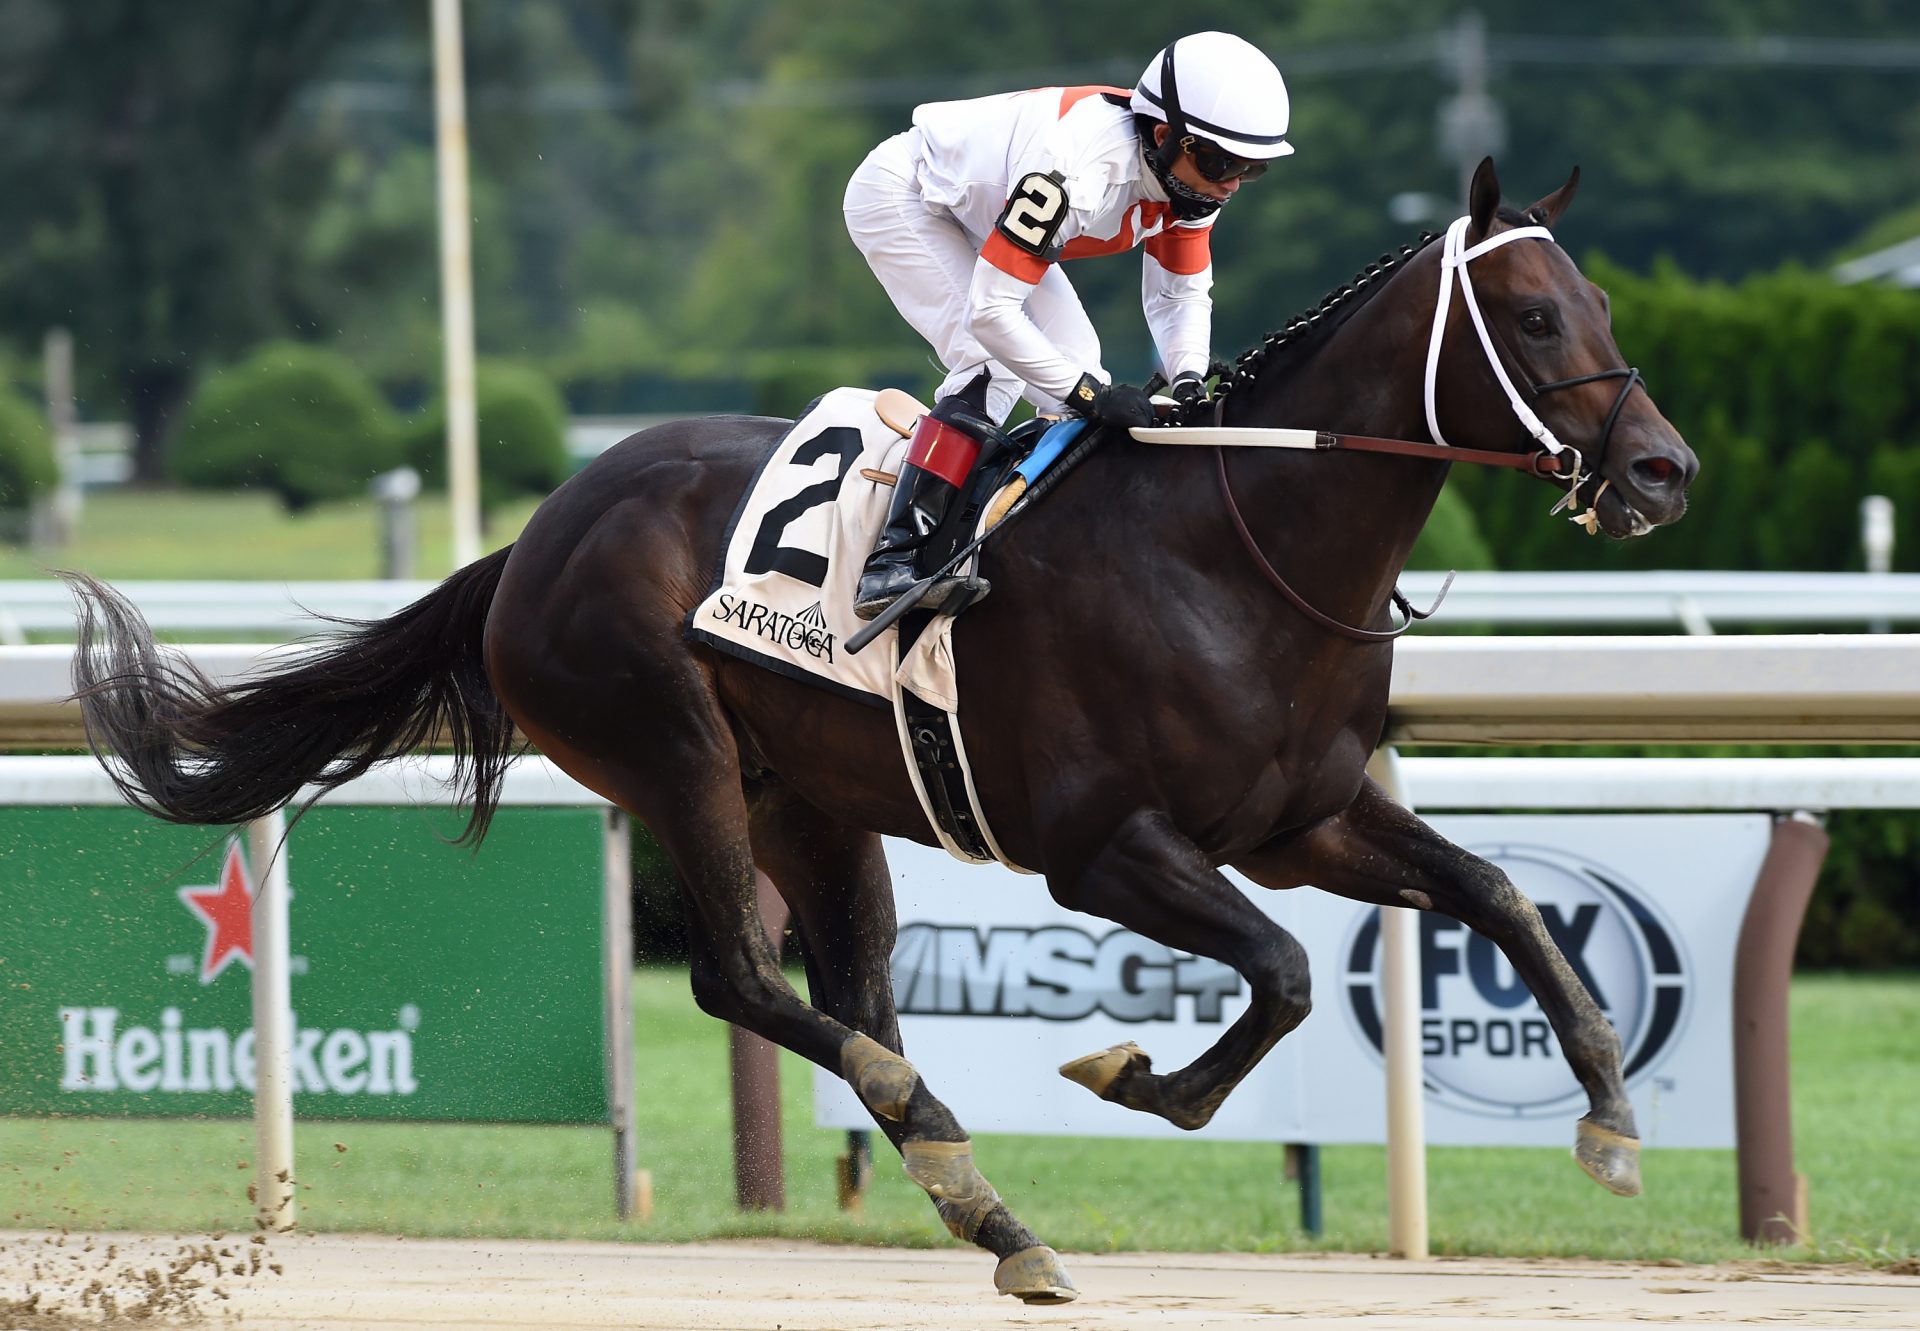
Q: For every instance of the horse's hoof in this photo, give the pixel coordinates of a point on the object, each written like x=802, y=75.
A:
x=1098, y=1072
x=1034, y=1275
x=1612, y=1158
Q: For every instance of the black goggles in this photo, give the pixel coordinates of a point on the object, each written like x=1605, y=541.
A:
x=1216, y=164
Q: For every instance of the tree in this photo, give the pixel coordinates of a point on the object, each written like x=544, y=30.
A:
x=155, y=187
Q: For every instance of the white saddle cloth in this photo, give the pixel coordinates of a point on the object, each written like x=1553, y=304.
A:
x=783, y=595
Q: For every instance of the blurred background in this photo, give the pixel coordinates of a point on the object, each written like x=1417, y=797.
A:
x=220, y=296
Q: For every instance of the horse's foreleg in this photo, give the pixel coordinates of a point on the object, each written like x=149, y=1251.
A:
x=1378, y=852
x=1151, y=879
x=835, y=879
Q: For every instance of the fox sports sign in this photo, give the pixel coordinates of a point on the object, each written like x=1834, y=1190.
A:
x=1486, y=1046
x=997, y=985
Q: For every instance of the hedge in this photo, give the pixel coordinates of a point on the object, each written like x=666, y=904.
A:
x=26, y=452
x=301, y=421
x=522, y=428
x=1798, y=394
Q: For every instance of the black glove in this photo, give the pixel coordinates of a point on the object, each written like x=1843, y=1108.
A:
x=1110, y=404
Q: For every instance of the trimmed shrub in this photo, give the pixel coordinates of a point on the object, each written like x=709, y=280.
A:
x=301, y=421
x=26, y=452
x=523, y=435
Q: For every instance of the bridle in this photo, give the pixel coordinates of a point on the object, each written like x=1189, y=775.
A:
x=1548, y=462
x=1454, y=258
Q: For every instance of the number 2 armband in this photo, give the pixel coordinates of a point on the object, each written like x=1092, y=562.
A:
x=1026, y=238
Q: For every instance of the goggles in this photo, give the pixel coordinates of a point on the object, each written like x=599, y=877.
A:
x=1217, y=165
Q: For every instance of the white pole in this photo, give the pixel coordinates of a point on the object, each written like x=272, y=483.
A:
x=1400, y=1020
x=456, y=281
x=617, y=924
x=66, y=439
x=274, y=1205
x=1876, y=537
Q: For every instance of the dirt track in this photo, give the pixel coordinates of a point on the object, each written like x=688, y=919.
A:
x=373, y=1284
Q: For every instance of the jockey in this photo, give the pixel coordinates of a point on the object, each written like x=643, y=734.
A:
x=964, y=217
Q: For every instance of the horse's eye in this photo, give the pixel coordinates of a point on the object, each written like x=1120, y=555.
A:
x=1534, y=323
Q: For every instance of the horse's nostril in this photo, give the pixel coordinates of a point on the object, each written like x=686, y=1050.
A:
x=1657, y=470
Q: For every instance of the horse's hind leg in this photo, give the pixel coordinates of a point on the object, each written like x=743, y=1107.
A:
x=1376, y=851
x=835, y=879
x=1151, y=879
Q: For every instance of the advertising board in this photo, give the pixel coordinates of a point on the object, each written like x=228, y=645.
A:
x=430, y=982
x=997, y=985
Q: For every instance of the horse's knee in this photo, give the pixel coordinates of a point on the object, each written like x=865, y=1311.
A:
x=711, y=992
x=730, y=990
x=1289, y=978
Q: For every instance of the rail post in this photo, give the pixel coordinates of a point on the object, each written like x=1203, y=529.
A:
x=274, y=1203
x=759, y=1172
x=1400, y=1020
x=1773, y=1198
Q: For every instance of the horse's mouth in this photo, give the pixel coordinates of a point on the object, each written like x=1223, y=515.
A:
x=1618, y=517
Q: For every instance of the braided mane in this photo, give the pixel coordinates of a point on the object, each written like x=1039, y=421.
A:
x=1297, y=339
x=1306, y=332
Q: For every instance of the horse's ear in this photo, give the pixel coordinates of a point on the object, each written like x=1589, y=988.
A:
x=1483, y=197
x=1547, y=211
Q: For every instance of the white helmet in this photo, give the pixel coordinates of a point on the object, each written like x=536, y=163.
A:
x=1221, y=88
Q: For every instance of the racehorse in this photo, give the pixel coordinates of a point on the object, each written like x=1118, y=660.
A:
x=1142, y=707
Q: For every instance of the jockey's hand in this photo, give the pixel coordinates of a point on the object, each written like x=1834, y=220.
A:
x=1189, y=390
x=1110, y=404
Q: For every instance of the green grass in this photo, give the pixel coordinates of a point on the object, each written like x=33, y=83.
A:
x=185, y=534
x=1856, y=1088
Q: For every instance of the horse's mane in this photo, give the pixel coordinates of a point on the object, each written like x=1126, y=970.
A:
x=1295, y=342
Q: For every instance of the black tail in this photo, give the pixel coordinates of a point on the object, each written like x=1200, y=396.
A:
x=192, y=751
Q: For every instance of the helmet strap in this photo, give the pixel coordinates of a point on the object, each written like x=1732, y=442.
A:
x=1168, y=150
x=1188, y=204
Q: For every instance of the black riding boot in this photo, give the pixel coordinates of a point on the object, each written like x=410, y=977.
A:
x=920, y=501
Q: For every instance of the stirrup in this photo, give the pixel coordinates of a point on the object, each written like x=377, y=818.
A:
x=949, y=596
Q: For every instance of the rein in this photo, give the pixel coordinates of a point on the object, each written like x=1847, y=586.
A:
x=1299, y=602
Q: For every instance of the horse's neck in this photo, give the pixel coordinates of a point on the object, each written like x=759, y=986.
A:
x=1365, y=381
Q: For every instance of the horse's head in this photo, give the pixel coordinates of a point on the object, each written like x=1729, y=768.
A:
x=1540, y=363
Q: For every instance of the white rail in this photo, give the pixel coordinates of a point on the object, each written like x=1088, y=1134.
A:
x=1758, y=689
x=63, y=780
x=1679, y=600
x=1721, y=784
x=1755, y=689
x=1694, y=601
x=45, y=606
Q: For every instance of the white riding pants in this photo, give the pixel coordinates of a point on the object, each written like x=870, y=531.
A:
x=924, y=258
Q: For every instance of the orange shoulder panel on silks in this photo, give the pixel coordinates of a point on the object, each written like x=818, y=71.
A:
x=1072, y=97
x=1183, y=249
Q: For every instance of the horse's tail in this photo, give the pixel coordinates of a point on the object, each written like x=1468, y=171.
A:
x=192, y=751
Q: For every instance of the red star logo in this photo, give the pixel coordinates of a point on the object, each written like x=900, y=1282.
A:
x=227, y=911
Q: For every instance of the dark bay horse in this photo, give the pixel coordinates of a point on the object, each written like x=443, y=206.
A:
x=1142, y=706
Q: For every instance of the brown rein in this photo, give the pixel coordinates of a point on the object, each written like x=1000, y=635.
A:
x=1299, y=602
x=1540, y=463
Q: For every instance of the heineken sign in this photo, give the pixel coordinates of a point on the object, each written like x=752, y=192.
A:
x=428, y=982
